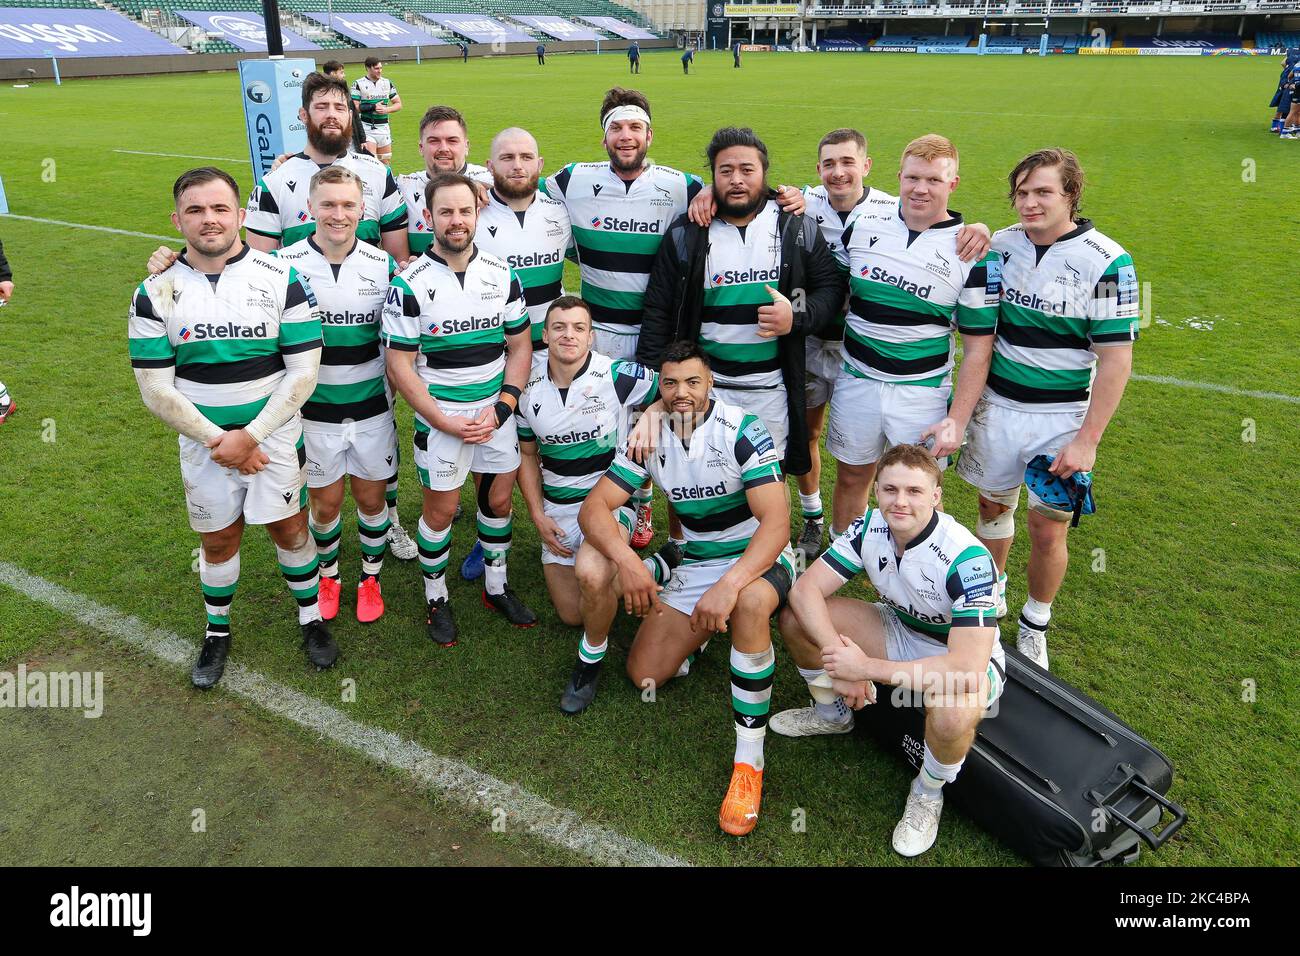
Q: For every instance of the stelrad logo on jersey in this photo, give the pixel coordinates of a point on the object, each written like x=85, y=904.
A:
x=350, y=318
x=209, y=330
x=575, y=437
x=741, y=276
x=614, y=224
x=1032, y=300
x=885, y=277
x=472, y=324
x=698, y=492
x=534, y=259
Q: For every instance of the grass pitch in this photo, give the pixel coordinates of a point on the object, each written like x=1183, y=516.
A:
x=1174, y=610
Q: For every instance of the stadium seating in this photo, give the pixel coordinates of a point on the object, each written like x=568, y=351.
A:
x=1268, y=41
x=52, y=4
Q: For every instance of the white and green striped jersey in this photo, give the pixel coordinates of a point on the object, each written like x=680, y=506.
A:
x=578, y=429
x=907, y=291
x=411, y=186
x=944, y=579
x=740, y=265
x=730, y=452
x=367, y=92
x=832, y=223
x=277, y=206
x=351, y=385
x=1059, y=304
x=617, y=228
x=226, y=334
x=458, y=323
x=534, y=243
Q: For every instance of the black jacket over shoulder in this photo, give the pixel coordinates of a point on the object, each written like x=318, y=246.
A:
x=675, y=297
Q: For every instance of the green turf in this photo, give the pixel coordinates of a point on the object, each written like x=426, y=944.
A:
x=1200, y=551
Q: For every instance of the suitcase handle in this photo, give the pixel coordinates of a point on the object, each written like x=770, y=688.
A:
x=1148, y=835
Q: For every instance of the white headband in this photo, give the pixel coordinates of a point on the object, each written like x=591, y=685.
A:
x=625, y=113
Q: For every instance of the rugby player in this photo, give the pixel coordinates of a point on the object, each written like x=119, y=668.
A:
x=278, y=213
x=1062, y=356
x=620, y=210
x=377, y=99
x=225, y=345
x=531, y=232
x=842, y=165
x=719, y=468
x=572, y=417
x=347, y=425
x=908, y=290
x=444, y=147
x=729, y=287
x=277, y=207
x=524, y=226
x=461, y=312
x=933, y=631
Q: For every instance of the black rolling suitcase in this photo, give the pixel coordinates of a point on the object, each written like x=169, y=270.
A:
x=1055, y=775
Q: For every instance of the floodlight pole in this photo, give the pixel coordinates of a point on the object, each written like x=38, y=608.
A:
x=274, y=41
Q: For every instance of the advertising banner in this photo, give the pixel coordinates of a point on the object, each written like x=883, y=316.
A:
x=271, y=91
x=619, y=28
x=375, y=29
x=762, y=10
x=478, y=28
x=245, y=30
x=29, y=31
x=560, y=28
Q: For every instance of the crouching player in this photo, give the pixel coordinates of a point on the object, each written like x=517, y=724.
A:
x=933, y=631
x=720, y=469
x=572, y=418
x=347, y=423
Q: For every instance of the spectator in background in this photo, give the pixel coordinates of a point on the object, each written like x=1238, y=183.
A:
x=688, y=56
x=359, y=142
x=735, y=52
x=634, y=57
x=6, y=290
x=464, y=52
x=541, y=53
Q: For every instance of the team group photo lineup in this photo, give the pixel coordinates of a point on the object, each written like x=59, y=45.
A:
x=732, y=340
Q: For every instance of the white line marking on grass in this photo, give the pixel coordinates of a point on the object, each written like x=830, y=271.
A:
x=140, y=152
x=82, y=225
x=1215, y=387
x=452, y=779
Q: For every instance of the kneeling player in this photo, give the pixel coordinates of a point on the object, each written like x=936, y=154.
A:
x=572, y=417
x=226, y=345
x=347, y=423
x=719, y=468
x=934, y=630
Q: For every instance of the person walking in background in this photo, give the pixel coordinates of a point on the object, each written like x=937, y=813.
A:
x=735, y=53
x=634, y=58
x=687, y=57
x=541, y=53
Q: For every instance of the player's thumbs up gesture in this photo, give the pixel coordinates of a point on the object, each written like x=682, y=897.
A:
x=777, y=318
